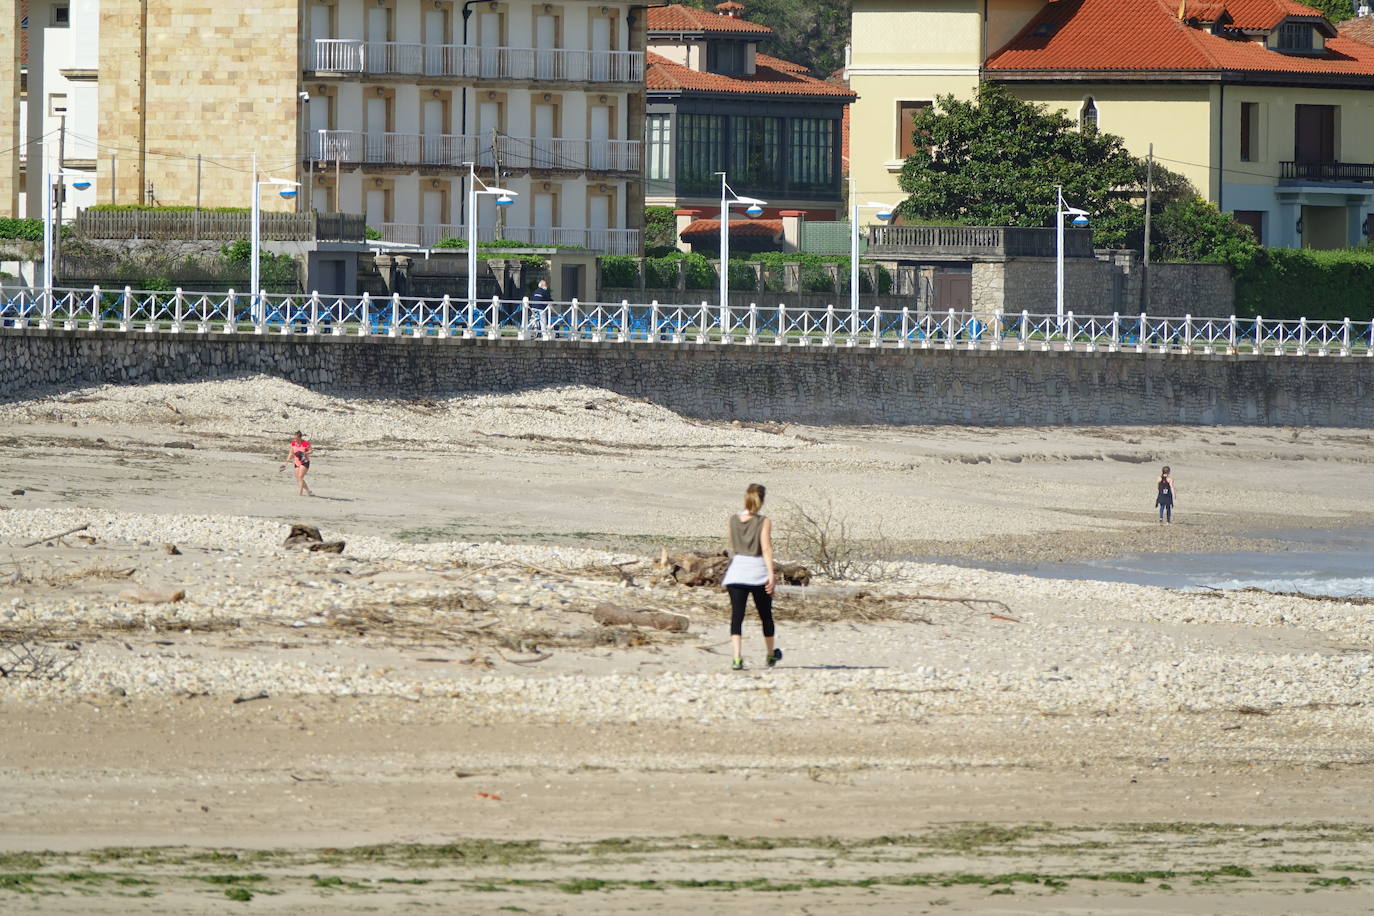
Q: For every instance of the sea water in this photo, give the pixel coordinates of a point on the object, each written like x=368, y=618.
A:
x=1338, y=563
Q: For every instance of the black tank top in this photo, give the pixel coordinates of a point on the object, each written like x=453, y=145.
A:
x=1166, y=490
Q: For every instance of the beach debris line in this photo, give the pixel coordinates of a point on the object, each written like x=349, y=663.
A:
x=58, y=536
x=696, y=569
x=307, y=537
x=610, y=615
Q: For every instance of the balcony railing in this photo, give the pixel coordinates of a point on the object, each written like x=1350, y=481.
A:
x=601, y=241
x=1326, y=171
x=204, y=225
x=396, y=58
x=357, y=147
x=977, y=241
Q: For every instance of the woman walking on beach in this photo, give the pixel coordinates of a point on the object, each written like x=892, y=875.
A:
x=751, y=573
x=1165, y=499
x=299, y=458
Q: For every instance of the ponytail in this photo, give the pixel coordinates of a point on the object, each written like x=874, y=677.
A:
x=753, y=497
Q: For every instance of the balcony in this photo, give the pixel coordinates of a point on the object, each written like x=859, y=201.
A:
x=454, y=150
x=396, y=58
x=1326, y=172
x=602, y=241
x=978, y=243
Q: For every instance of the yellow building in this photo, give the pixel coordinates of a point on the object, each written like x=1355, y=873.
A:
x=1262, y=104
x=373, y=105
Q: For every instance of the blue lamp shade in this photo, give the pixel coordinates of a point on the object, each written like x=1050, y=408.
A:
x=287, y=192
x=1080, y=222
x=81, y=185
x=884, y=215
x=754, y=210
x=504, y=201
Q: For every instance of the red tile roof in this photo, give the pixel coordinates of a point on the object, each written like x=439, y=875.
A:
x=1361, y=30
x=1266, y=14
x=1122, y=35
x=768, y=228
x=771, y=77
x=678, y=18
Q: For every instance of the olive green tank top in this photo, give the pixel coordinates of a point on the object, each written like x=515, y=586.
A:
x=745, y=536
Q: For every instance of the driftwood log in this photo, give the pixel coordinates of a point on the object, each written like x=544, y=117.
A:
x=697, y=569
x=307, y=537
x=609, y=615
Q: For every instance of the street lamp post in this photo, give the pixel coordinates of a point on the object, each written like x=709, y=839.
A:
x=1080, y=220
x=753, y=207
x=504, y=198
x=80, y=182
x=288, y=190
x=884, y=214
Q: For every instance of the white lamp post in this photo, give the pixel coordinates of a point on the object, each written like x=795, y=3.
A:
x=884, y=214
x=504, y=198
x=288, y=190
x=81, y=182
x=753, y=207
x=1080, y=221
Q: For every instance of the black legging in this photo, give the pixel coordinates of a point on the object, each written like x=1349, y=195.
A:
x=739, y=598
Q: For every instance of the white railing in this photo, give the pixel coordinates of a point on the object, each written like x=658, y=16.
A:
x=344, y=55
x=601, y=241
x=358, y=147
x=781, y=325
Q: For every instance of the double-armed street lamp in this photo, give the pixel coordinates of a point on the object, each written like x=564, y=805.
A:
x=884, y=213
x=504, y=198
x=1080, y=221
x=753, y=207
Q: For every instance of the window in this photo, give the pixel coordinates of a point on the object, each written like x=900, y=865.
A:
x=906, y=144
x=726, y=57
x=1294, y=36
x=1314, y=133
x=1249, y=131
x=658, y=130
x=1087, y=116
x=700, y=142
x=57, y=106
x=756, y=152
x=811, y=154
x=1254, y=219
x=61, y=16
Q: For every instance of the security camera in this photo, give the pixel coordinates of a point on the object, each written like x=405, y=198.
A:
x=305, y=96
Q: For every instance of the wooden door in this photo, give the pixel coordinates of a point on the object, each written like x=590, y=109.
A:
x=1314, y=133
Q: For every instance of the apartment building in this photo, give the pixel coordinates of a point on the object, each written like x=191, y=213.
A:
x=375, y=106
x=1263, y=105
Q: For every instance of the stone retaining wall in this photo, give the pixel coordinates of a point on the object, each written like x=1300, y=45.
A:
x=791, y=384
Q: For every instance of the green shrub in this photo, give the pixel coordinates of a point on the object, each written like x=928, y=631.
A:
x=372, y=235
x=660, y=227
x=742, y=276
x=1322, y=285
x=275, y=271
x=619, y=271
x=29, y=230
x=457, y=242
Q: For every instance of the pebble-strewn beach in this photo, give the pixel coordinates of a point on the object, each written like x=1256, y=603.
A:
x=311, y=699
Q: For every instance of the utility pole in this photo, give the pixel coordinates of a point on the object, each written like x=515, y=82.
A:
x=1145, y=263
x=114, y=177
x=197, y=218
x=499, y=230
x=61, y=201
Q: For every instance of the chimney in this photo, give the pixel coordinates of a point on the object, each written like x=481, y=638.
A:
x=730, y=8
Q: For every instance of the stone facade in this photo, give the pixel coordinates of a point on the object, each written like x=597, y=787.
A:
x=176, y=76
x=792, y=384
x=1102, y=286
x=10, y=150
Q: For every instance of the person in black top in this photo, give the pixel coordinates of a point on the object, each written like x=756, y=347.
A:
x=1165, y=499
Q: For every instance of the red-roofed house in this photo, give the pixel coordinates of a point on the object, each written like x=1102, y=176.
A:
x=715, y=103
x=1263, y=104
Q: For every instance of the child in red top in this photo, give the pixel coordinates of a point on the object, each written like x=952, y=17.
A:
x=300, y=459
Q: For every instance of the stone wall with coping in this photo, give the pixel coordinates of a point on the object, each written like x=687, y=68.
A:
x=1105, y=285
x=790, y=384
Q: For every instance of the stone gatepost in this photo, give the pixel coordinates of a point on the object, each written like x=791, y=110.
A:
x=395, y=271
x=791, y=277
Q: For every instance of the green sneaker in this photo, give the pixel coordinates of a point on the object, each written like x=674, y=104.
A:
x=775, y=657
x=737, y=665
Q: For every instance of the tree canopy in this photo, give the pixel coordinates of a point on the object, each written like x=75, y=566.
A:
x=809, y=32
x=995, y=161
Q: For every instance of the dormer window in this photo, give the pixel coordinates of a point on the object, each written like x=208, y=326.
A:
x=726, y=58
x=1295, y=36
x=1087, y=116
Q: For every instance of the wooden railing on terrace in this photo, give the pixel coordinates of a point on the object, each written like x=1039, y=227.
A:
x=205, y=225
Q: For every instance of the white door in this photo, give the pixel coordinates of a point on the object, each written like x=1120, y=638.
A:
x=489, y=40
x=603, y=66
x=432, y=211
x=319, y=122
x=488, y=120
x=433, y=127
x=376, y=209
x=599, y=147
x=543, y=211
x=436, y=27
x=376, y=130
x=599, y=211
x=542, y=148
x=545, y=40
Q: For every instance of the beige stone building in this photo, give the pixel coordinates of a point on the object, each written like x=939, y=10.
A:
x=373, y=105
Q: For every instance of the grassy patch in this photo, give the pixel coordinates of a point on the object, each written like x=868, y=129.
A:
x=241, y=894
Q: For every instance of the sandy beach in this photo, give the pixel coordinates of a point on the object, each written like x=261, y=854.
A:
x=434, y=717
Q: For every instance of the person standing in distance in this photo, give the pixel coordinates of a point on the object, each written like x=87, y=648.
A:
x=1165, y=499
x=751, y=573
x=299, y=458
x=540, y=300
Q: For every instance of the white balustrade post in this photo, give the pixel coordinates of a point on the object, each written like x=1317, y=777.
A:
x=653, y=320
x=522, y=332
x=830, y=325
x=127, y=322
x=904, y=342
x=494, y=325
x=1141, y=333
x=471, y=329
x=1345, y=336
x=753, y=337
x=365, y=322
x=1069, y=332
x=575, y=332
x=395, y=316
x=624, y=320
x=445, y=317
x=780, y=335
x=1024, y=336
x=95, y=310
x=949, y=333
x=314, y=326
x=231, y=321
x=1188, y=333
x=1231, y=335
x=178, y=304
x=1302, y=336
x=1259, y=334
x=1116, y=331
x=702, y=319
x=875, y=333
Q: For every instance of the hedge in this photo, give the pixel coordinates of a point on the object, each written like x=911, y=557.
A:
x=618, y=272
x=29, y=230
x=1322, y=285
x=143, y=208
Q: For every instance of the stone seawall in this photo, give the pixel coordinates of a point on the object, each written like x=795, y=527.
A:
x=791, y=384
